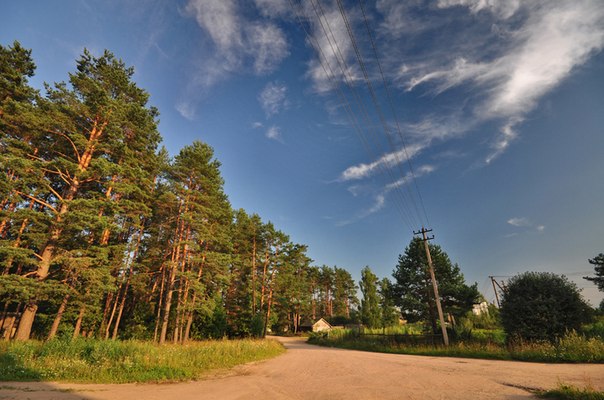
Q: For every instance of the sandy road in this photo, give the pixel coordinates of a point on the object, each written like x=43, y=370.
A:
x=310, y=372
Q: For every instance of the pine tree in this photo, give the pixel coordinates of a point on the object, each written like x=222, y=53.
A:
x=412, y=287
x=370, y=309
x=93, y=123
x=390, y=315
x=344, y=293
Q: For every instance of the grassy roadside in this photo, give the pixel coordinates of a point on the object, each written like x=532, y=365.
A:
x=573, y=348
x=569, y=392
x=100, y=361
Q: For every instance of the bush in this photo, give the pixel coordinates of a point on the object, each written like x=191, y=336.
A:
x=541, y=306
x=595, y=329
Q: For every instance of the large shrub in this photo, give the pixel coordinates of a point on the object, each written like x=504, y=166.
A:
x=540, y=306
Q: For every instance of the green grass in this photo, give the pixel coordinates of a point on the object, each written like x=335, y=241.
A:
x=573, y=348
x=569, y=392
x=99, y=361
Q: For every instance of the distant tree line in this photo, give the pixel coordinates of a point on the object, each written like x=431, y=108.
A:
x=103, y=234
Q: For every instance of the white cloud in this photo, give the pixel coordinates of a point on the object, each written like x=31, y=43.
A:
x=536, y=55
x=335, y=59
x=238, y=41
x=272, y=98
x=257, y=125
x=522, y=222
x=421, y=171
x=519, y=221
x=273, y=8
x=379, y=198
x=380, y=201
x=399, y=18
x=186, y=110
x=388, y=160
x=502, y=8
x=274, y=133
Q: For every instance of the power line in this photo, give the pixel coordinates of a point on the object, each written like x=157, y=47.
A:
x=370, y=88
x=331, y=77
x=341, y=62
x=392, y=108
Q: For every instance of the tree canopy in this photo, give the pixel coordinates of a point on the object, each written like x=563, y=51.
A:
x=598, y=263
x=412, y=287
x=539, y=306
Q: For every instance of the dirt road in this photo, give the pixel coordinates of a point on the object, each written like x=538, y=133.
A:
x=310, y=372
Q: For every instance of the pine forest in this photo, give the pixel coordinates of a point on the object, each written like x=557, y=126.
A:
x=104, y=234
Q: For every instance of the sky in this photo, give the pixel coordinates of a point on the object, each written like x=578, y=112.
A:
x=351, y=124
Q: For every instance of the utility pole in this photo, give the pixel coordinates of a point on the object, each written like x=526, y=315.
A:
x=493, y=281
x=434, y=284
x=501, y=287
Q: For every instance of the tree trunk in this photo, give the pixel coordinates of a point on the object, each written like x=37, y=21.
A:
x=8, y=331
x=268, y=311
x=159, y=302
x=108, y=300
x=113, y=309
x=78, y=325
x=55, y=324
x=194, y=298
x=130, y=273
x=254, y=276
x=266, y=262
x=121, y=309
x=187, y=334
x=180, y=226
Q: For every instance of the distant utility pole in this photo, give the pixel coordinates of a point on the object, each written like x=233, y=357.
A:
x=434, y=284
x=494, y=282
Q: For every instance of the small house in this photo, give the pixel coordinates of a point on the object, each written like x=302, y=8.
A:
x=321, y=326
x=480, y=309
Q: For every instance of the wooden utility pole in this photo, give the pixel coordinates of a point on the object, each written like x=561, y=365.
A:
x=501, y=287
x=441, y=317
x=494, y=282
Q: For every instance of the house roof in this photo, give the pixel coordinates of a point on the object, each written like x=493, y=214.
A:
x=323, y=320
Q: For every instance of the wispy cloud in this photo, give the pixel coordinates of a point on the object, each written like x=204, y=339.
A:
x=419, y=172
x=527, y=224
x=537, y=52
x=237, y=40
x=273, y=8
x=274, y=133
x=273, y=98
x=334, y=62
x=186, y=110
x=519, y=221
x=388, y=160
x=379, y=198
x=235, y=44
x=502, y=8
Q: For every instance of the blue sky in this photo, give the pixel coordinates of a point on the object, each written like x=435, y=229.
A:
x=498, y=106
